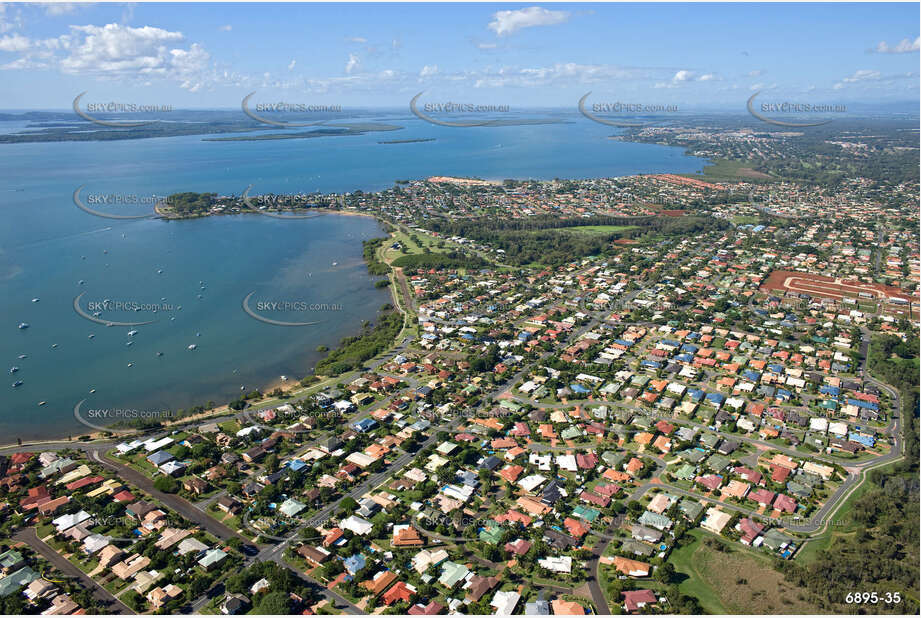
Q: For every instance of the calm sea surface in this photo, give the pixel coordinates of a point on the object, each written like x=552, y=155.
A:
x=208, y=266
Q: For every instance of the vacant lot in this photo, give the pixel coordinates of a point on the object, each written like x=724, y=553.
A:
x=736, y=581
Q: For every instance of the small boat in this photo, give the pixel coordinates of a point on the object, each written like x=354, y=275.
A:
x=23, y=325
x=132, y=333
x=159, y=353
x=160, y=271
x=242, y=388
x=105, y=250
x=14, y=369
x=131, y=364
x=172, y=319
x=22, y=356
x=41, y=403
x=198, y=334
x=129, y=343
x=192, y=347
x=335, y=263
x=90, y=336
x=54, y=345
x=17, y=383
x=92, y=390
x=96, y=314
x=81, y=282
x=200, y=296
x=284, y=378
x=35, y=300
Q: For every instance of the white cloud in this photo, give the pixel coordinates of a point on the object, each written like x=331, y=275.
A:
x=8, y=21
x=507, y=22
x=291, y=65
x=356, y=39
x=352, y=64
x=226, y=28
x=428, y=71
x=15, y=43
x=862, y=75
x=869, y=77
x=692, y=76
x=55, y=9
x=755, y=73
x=905, y=46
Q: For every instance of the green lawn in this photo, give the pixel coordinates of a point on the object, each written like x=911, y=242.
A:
x=725, y=169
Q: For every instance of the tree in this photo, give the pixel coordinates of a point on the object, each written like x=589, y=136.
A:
x=166, y=484
x=274, y=603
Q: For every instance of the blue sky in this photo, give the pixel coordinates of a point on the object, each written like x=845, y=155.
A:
x=527, y=55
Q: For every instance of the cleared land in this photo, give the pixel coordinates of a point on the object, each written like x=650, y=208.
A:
x=736, y=581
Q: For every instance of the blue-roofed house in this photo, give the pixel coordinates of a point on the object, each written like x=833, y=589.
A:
x=364, y=425
x=867, y=441
x=353, y=564
x=715, y=399
x=695, y=394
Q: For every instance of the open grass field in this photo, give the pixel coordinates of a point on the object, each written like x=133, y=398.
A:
x=737, y=581
x=727, y=170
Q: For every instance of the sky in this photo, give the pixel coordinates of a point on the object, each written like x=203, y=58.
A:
x=519, y=54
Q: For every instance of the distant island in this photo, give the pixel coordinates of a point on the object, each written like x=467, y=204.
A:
x=407, y=141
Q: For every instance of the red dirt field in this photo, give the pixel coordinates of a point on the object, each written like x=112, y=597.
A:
x=827, y=287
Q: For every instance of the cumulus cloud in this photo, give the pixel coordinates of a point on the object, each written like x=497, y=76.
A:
x=905, y=46
x=428, y=71
x=352, y=64
x=507, y=22
x=291, y=65
x=684, y=76
x=226, y=28
x=755, y=73
x=356, y=39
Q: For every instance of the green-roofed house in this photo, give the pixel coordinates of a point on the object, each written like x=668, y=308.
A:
x=291, y=507
x=613, y=458
x=451, y=574
x=774, y=538
x=571, y=432
x=717, y=463
x=14, y=581
x=491, y=533
x=212, y=558
x=693, y=455
x=691, y=508
x=654, y=520
x=509, y=404
x=587, y=513
x=686, y=472
x=11, y=560
x=710, y=440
